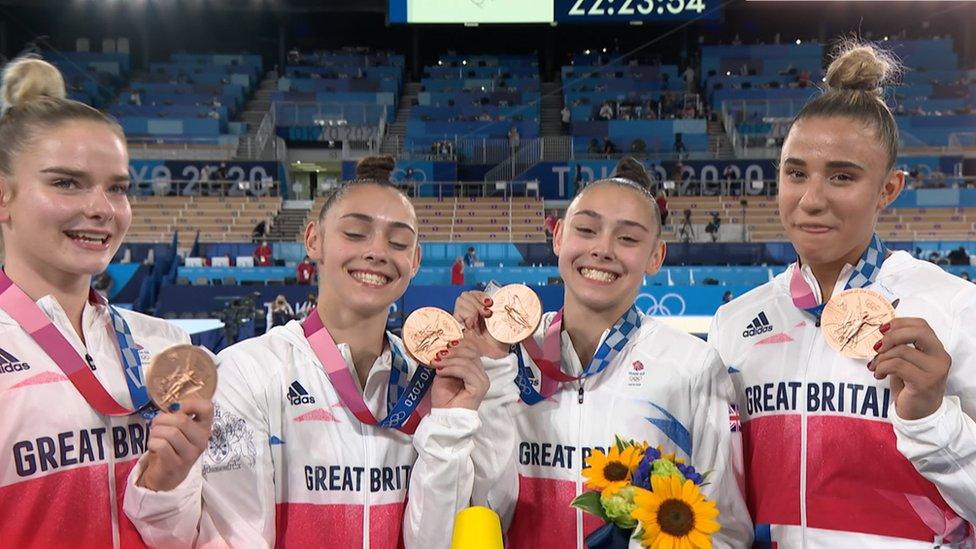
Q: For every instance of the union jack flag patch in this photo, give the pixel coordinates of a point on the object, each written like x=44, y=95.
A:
x=735, y=425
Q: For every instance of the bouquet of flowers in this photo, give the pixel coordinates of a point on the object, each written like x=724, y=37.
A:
x=647, y=495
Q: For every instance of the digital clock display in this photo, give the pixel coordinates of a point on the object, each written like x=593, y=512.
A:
x=548, y=11
x=594, y=11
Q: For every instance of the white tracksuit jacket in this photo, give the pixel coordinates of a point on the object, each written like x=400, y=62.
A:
x=665, y=387
x=828, y=461
x=288, y=465
x=63, y=465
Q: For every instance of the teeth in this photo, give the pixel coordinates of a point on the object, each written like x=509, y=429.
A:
x=595, y=274
x=370, y=278
x=90, y=237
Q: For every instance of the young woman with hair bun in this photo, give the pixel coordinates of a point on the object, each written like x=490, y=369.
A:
x=877, y=451
x=620, y=373
x=71, y=365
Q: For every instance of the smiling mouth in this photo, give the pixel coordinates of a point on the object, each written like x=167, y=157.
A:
x=370, y=279
x=88, y=237
x=598, y=275
x=814, y=228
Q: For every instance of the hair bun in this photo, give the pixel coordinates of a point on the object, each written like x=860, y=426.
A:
x=375, y=168
x=28, y=79
x=630, y=169
x=861, y=67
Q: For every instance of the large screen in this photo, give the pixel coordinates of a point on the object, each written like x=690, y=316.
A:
x=548, y=11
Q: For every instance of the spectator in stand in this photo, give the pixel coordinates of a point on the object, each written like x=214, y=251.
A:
x=608, y=147
x=310, y=303
x=662, y=206
x=514, y=139
x=281, y=312
x=470, y=258
x=305, y=271
x=457, y=272
x=680, y=150
x=689, y=76
x=262, y=255
x=958, y=256
x=729, y=176
x=606, y=111
x=565, y=114
x=804, y=79
x=550, y=223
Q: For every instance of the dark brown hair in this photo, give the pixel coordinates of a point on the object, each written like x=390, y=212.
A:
x=855, y=81
x=631, y=174
x=370, y=170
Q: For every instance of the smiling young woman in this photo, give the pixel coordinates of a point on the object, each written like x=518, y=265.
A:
x=619, y=373
x=71, y=365
x=318, y=437
x=839, y=451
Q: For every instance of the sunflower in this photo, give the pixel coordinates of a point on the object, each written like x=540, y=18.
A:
x=613, y=471
x=675, y=515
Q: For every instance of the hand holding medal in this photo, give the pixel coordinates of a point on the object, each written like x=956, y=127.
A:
x=181, y=381
x=433, y=337
x=917, y=363
x=500, y=318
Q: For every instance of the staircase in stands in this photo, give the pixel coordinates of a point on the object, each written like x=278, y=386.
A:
x=397, y=131
x=288, y=225
x=258, y=106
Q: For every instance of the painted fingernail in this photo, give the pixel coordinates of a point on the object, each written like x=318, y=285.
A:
x=885, y=327
x=488, y=302
x=174, y=407
x=871, y=365
x=877, y=345
x=437, y=359
x=488, y=313
x=455, y=343
x=442, y=352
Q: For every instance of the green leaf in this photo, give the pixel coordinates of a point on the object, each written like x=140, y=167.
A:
x=589, y=502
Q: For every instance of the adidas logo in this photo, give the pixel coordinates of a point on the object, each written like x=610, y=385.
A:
x=759, y=325
x=9, y=363
x=298, y=395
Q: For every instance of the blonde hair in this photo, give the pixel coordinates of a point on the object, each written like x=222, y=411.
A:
x=34, y=98
x=855, y=81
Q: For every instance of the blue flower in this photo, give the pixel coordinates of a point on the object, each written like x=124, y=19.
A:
x=689, y=472
x=642, y=475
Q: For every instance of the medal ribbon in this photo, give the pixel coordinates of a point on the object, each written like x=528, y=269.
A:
x=864, y=274
x=403, y=399
x=549, y=357
x=32, y=319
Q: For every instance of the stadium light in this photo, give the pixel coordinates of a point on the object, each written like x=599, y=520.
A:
x=798, y=41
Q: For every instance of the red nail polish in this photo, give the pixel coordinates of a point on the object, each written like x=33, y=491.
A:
x=877, y=345
x=885, y=327
x=437, y=359
x=455, y=343
x=487, y=313
x=870, y=363
x=487, y=302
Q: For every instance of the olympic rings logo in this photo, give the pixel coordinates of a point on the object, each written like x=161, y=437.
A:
x=395, y=419
x=399, y=174
x=669, y=305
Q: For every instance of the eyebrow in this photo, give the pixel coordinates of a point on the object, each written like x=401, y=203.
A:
x=78, y=174
x=368, y=219
x=833, y=164
x=628, y=222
